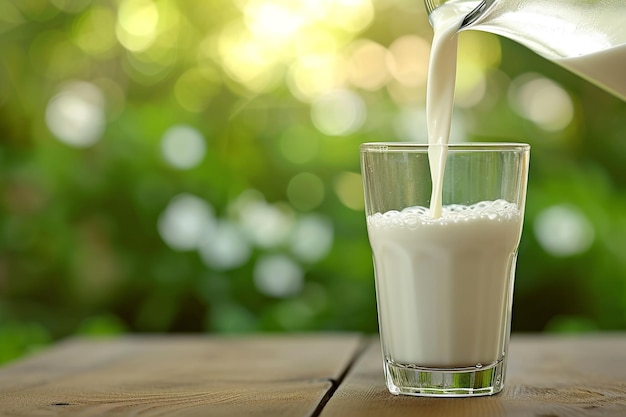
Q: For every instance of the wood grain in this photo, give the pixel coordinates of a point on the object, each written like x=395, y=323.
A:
x=547, y=377
x=179, y=376
x=299, y=375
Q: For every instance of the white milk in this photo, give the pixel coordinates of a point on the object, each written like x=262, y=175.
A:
x=606, y=68
x=444, y=285
x=440, y=94
x=587, y=38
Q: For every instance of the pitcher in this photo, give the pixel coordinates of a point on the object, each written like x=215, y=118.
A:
x=587, y=37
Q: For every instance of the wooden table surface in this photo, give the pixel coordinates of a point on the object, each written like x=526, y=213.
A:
x=328, y=375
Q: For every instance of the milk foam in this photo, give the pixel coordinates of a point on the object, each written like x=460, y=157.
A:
x=414, y=217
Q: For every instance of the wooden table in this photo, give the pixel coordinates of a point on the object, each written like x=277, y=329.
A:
x=324, y=375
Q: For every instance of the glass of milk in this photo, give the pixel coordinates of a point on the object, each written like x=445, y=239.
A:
x=444, y=283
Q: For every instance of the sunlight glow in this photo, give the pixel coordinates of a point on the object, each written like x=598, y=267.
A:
x=248, y=60
x=351, y=15
x=274, y=20
x=137, y=24
x=302, y=38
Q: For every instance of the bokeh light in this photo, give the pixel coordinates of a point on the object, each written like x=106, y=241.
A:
x=563, y=230
x=267, y=225
x=541, y=101
x=350, y=15
x=76, y=115
x=183, y=147
x=223, y=245
x=276, y=21
x=185, y=221
x=367, y=68
x=137, y=24
x=278, y=276
x=312, y=238
x=339, y=113
x=408, y=60
x=248, y=60
x=313, y=76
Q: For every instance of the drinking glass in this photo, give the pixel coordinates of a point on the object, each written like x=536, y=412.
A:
x=444, y=285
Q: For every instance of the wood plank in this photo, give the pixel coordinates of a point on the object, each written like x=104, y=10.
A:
x=179, y=376
x=548, y=376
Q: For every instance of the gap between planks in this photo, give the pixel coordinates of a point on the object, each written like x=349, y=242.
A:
x=364, y=344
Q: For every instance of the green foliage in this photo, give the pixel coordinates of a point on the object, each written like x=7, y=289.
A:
x=81, y=204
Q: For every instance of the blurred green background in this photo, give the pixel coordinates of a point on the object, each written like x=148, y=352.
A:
x=192, y=166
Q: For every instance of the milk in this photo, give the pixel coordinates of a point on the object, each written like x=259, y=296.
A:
x=606, y=68
x=444, y=285
x=440, y=94
x=587, y=38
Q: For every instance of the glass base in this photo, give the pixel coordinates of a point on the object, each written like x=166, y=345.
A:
x=444, y=382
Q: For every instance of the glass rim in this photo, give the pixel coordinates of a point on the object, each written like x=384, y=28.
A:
x=381, y=147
